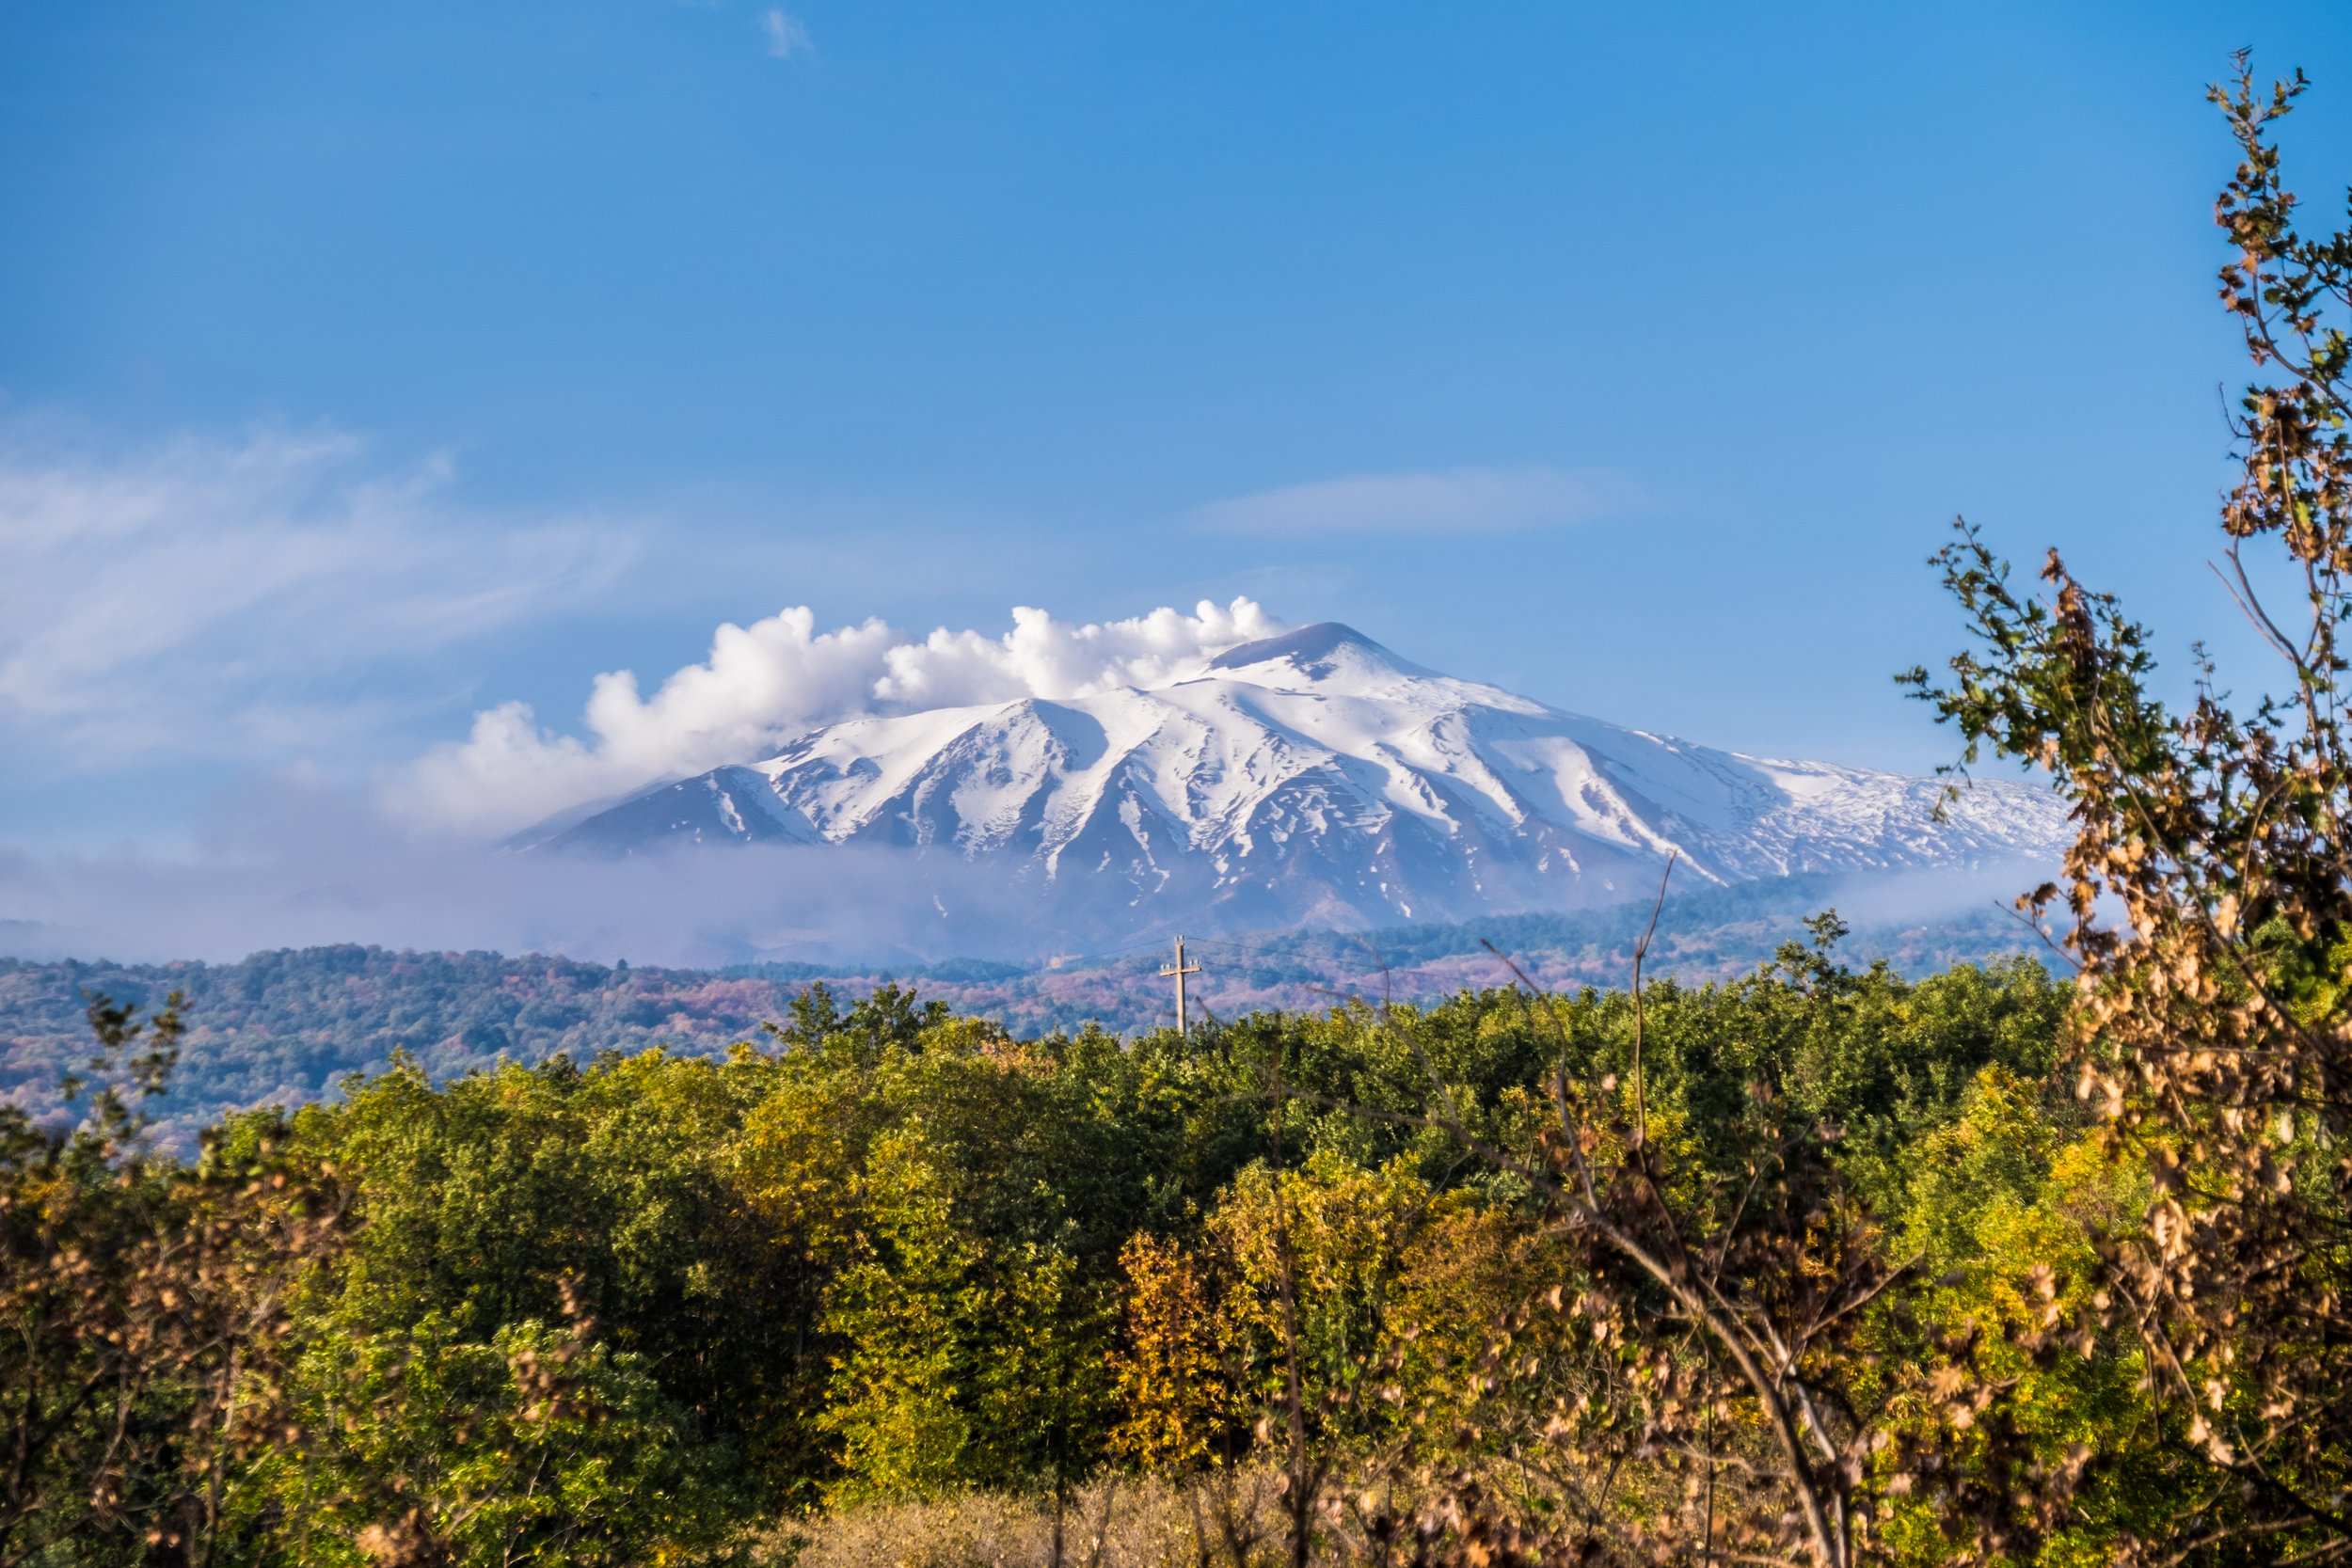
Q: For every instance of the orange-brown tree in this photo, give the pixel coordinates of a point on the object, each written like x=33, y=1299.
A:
x=2208, y=900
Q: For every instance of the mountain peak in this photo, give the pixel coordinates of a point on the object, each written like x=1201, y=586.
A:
x=1316, y=652
x=1311, y=778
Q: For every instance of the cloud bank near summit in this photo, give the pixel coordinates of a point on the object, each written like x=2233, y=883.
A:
x=779, y=676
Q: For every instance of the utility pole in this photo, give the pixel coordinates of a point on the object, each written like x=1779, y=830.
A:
x=1179, y=970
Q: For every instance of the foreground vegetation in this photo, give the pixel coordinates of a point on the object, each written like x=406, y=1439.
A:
x=646, y=1305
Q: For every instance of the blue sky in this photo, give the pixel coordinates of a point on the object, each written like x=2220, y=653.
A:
x=366, y=367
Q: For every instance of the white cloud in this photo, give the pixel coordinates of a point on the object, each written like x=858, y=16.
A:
x=1451, y=501
x=778, y=678
x=216, y=596
x=786, y=36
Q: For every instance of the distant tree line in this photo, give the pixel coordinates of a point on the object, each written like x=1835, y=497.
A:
x=287, y=1024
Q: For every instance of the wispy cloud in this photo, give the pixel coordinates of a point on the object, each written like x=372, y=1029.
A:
x=786, y=36
x=1445, y=501
x=778, y=678
x=215, y=597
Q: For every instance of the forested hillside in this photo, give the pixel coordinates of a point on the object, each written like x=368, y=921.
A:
x=284, y=1026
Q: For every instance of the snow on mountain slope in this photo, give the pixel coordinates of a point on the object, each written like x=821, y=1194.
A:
x=1314, y=778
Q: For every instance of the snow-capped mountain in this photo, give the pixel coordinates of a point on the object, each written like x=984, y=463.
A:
x=1311, y=778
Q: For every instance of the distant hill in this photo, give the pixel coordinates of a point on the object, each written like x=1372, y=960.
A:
x=286, y=1025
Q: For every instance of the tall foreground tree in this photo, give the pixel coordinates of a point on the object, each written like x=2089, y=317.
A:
x=2213, y=1025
